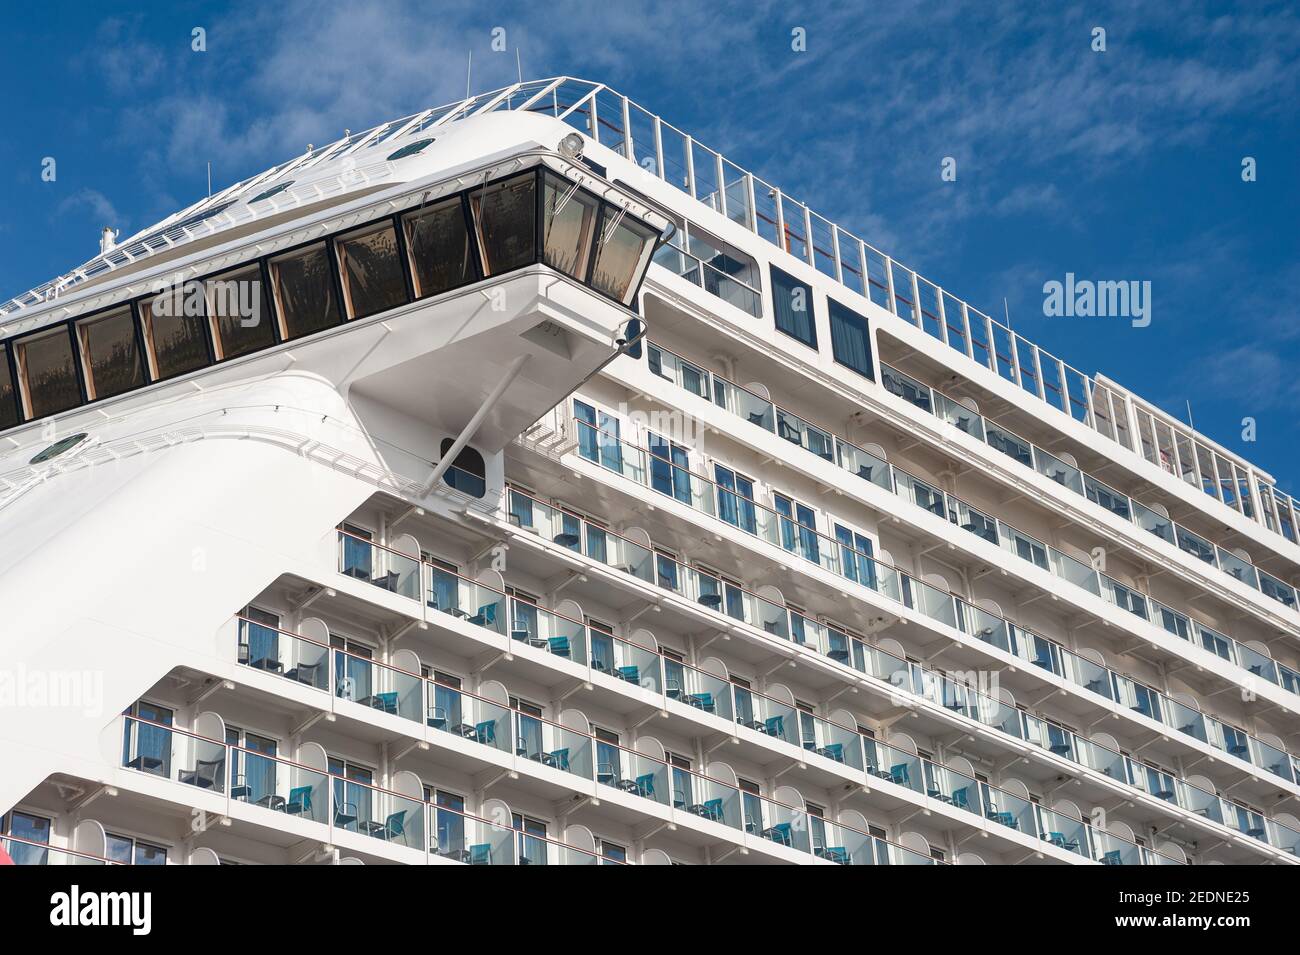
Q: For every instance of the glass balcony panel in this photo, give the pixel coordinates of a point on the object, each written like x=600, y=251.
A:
x=767, y=715
x=279, y=785
x=1045, y=735
x=1138, y=698
x=976, y=522
x=1152, y=781
x=894, y=765
x=884, y=666
x=29, y=852
x=999, y=439
x=905, y=387
x=377, y=686
x=1234, y=565
x=634, y=773
x=745, y=404
x=1153, y=522
x=679, y=371
x=1064, y=832
x=1217, y=643
x=797, y=431
x=843, y=845
x=1107, y=497
x=985, y=626
x=1112, y=850
x=1037, y=650
x=1197, y=800
x=387, y=569
x=1008, y=810
x=626, y=661
x=284, y=654
x=174, y=754
x=835, y=742
x=1123, y=597
x=934, y=603
x=1083, y=672
x=708, y=799
x=1247, y=822
x=954, y=788
x=784, y=825
x=735, y=186
x=470, y=717
x=887, y=853
x=866, y=466
x=1023, y=546
x=378, y=813
x=1272, y=587
x=1198, y=547
x=1172, y=621
x=921, y=494
x=1284, y=837
x=467, y=600
x=1290, y=678
x=699, y=689
x=1272, y=759
x=1100, y=758
x=1258, y=664
x=1075, y=571
x=959, y=416
x=471, y=840
x=1186, y=720
x=994, y=713
x=547, y=630
x=1053, y=467
x=553, y=745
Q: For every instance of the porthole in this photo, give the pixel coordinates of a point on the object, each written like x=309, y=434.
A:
x=61, y=446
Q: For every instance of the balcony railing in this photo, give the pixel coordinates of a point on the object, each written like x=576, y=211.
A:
x=644, y=138
x=892, y=478
x=1083, y=484
x=779, y=621
x=27, y=852
x=291, y=789
x=491, y=722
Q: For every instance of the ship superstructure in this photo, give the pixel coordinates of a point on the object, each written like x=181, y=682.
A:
x=522, y=482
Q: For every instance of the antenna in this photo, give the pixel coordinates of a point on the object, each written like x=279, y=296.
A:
x=209, y=179
x=519, y=66
x=1006, y=312
x=469, y=68
x=1190, y=424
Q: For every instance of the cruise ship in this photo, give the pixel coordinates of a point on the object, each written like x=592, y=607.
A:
x=522, y=482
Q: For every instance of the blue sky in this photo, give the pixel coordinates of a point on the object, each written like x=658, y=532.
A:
x=1118, y=165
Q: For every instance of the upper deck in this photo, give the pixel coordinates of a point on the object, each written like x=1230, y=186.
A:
x=366, y=161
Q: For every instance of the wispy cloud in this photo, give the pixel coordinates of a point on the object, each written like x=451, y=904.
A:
x=98, y=205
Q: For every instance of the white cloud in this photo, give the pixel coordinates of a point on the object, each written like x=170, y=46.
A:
x=99, y=206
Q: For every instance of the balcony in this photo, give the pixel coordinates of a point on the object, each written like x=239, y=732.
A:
x=839, y=557
x=1083, y=484
x=772, y=418
x=772, y=619
x=491, y=722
